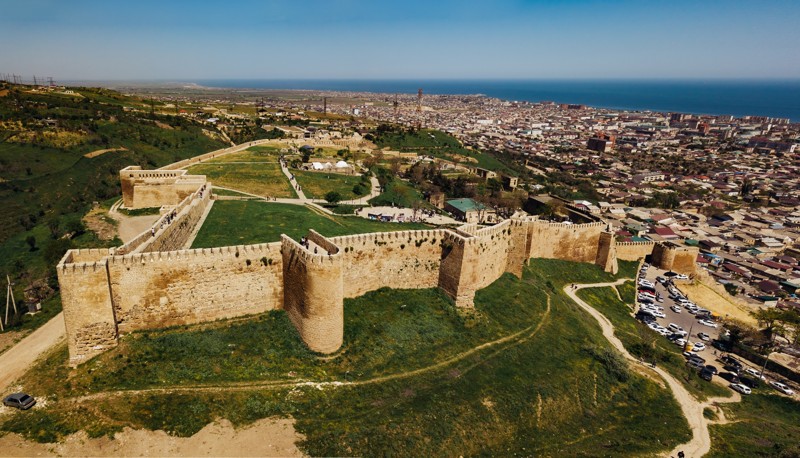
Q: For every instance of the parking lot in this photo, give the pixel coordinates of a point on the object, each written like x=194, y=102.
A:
x=675, y=314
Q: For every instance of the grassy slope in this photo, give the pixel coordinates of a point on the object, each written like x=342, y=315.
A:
x=560, y=392
x=439, y=144
x=246, y=222
x=62, y=184
x=761, y=425
x=642, y=342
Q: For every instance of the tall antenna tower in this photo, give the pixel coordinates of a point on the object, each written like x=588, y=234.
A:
x=396, y=106
x=419, y=100
x=50, y=81
x=324, y=105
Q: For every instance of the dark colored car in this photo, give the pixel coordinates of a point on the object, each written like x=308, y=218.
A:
x=732, y=362
x=750, y=382
x=21, y=401
x=706, y=374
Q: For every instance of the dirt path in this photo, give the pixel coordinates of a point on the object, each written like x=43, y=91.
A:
x=18, y=359
x=131, y=226
x=100, y=152
x=692, y=409
x=268, y=437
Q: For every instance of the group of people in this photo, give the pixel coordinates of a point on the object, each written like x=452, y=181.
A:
x=165, y=222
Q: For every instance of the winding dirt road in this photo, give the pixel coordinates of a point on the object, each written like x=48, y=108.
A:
x=15, y=362
x=692, y=409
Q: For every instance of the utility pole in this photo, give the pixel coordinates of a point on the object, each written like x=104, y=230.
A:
x=9, y=297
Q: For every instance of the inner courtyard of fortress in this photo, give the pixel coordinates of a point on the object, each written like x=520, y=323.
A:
x=153, y=282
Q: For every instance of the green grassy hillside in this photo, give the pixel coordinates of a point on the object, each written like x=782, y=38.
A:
x=46, y=182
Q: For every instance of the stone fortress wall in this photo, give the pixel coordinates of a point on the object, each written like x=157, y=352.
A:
x=154, y=284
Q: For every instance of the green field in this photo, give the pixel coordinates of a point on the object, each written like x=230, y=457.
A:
x=261, y=153
x=552, y=387
x=247, y=222
x=643, y=343
x=261, y=179
x=399, y=194
x=316, y=184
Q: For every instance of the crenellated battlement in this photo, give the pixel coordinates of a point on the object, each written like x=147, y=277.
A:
x=641, y=243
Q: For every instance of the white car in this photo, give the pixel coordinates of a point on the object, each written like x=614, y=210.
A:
x=654, y=326
x=741, y=388
x=708, y=323
x=782, y=388
x=703, y=336
x=754, y=373
x=674, y=327
x=676, y=308
x=658, y=314
x=680, y=342
x=699, y=346
x=681, y=277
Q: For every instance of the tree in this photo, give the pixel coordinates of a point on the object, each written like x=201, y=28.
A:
x=394, y=165
x=31, y=241
x=333, y=197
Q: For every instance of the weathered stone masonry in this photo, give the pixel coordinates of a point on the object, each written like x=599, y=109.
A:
x=106, y=293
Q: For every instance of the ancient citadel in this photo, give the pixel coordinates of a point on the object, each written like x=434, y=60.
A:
x=153, y=282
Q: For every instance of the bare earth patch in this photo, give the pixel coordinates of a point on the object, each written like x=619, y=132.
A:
x=100, y=152
x=98, y=221
x=9, y=338
x=721, y=303
x=268, y=437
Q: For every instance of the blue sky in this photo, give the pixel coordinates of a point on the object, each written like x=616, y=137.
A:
x=273, y=39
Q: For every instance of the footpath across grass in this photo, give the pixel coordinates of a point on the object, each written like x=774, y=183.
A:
x=643, y=343
x=557, y=388
x=248, y=222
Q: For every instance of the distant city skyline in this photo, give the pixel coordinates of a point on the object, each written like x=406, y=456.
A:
x=354, y=39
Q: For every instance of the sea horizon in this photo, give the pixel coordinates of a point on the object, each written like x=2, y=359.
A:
x=738, y=97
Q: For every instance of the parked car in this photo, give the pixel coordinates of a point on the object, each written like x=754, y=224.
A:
x=21, y=401
x=754, y=373
x=676, y=308
x=681, y=342
x=741, y=388
x=693, y=363
x=708, y=323
x=681, y=277
x=674, y=327
x=698, y=346
x=670, y=274
x=711, y=368
x=706, y=374
x=782, y=388
x=703, y=336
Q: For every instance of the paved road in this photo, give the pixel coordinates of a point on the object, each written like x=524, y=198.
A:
x=692, y=409
x=18, y=359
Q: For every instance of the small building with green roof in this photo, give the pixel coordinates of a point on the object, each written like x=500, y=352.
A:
x=470, y=211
